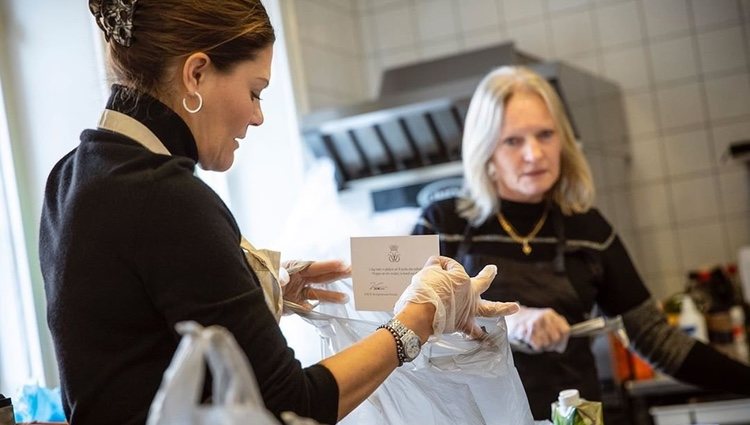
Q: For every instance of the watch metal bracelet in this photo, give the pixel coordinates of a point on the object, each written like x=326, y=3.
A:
x=399, y=327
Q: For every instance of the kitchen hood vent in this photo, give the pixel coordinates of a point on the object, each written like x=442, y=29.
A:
x=415, y=123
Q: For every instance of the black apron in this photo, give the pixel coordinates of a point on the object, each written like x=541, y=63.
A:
x=541, y=284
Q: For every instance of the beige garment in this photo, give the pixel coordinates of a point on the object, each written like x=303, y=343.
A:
x=265, y=263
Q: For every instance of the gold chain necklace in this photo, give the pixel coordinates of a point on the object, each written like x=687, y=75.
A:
x=523, y=240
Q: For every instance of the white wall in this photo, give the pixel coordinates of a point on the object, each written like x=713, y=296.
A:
x=52, y=92
x=327, y=39
x=683, y=67
x=268, y=171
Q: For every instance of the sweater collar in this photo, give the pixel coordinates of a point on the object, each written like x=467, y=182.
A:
x=171, y=130
x=512, y=209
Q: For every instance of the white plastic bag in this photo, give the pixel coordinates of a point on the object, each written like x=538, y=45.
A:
x=454, y=379
x=236, y=397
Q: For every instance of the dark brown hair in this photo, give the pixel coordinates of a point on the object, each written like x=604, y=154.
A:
x=228, y=31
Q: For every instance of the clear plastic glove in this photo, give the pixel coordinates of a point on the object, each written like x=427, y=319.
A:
x=301, y=281
x=443, y=282
x=539, y=329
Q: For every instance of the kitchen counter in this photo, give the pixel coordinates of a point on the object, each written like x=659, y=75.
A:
x=667, y=401
x=727, y=412
x=659, y=386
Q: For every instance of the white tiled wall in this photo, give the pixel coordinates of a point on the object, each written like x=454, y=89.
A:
x=329, y=40
x=683, y=67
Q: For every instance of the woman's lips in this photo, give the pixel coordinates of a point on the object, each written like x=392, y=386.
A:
x=535, y=173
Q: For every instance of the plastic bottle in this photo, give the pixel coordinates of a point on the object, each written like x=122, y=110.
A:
x=627, y=365
x=743, y=266
x=718, y=320
x=738, y=318
x=571, y=409
x=737, y=315
x=692, y=321
x=6, y=411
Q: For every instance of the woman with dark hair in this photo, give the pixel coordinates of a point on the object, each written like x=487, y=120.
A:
x=132, y=242
x=528, y=208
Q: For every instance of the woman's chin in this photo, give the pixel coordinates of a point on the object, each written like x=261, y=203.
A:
x=218, y=165
x=538, y=190
x=534, y=194
x=225, y=166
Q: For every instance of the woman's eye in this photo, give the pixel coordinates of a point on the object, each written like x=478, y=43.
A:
x=255, y=96
x=512, y=141
x=545, y=134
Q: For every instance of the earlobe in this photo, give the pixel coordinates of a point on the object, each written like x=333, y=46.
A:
x=491, y=171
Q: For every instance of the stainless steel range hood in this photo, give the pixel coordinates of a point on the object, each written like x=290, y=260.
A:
x=416, y=121
x=411, y=134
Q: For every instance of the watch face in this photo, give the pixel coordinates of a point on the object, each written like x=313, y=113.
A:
x=411, y=347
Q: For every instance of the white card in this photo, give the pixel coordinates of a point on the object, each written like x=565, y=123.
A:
x=382, y=267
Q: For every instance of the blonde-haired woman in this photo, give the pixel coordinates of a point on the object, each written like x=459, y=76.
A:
x=528, y=209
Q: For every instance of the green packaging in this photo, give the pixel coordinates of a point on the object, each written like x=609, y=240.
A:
x=571, y=409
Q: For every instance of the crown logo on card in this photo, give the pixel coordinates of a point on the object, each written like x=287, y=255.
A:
x=393, y=254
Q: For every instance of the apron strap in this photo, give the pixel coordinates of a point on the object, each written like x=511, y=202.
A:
x=465, y=244
x=117, y=122
x=561, y=249
x=558, y=262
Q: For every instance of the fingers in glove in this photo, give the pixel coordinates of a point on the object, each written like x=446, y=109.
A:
x=328, y=277
x=549, y=332
x=543, y=334
x=495, y=308
x=326, y=295
x=474, y=331
x=295, y=266
x=451, y=265
x=562, y=324
x=484, y=278
x=445, y=263
x=560, y=329
x=538, y=340
x=455, y=271
x=561, y=345
x=434, y=260
x=299, y=304
x=323, y=269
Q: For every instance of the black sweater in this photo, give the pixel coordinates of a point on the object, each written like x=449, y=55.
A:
x=131, y=243
x=597, y=265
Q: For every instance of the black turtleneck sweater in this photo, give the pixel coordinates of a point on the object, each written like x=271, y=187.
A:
x=597, y=265
x=131, y=243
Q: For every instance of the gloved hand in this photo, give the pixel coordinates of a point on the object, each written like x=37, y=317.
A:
x=443, y=282
x=298, y=277
x=540, y=329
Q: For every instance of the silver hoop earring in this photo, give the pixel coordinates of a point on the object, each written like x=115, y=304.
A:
x=197, y=108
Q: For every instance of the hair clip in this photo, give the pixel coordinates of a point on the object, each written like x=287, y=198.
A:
x=115, y=18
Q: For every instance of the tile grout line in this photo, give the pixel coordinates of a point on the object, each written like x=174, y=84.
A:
x=707, y=115
x=671, y=214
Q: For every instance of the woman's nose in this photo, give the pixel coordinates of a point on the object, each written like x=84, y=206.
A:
x=532, y=150
x=257, y=118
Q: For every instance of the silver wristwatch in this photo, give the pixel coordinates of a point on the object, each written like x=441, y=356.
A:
x=407, y=342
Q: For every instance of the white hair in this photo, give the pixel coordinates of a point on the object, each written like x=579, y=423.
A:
x=574, y=190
